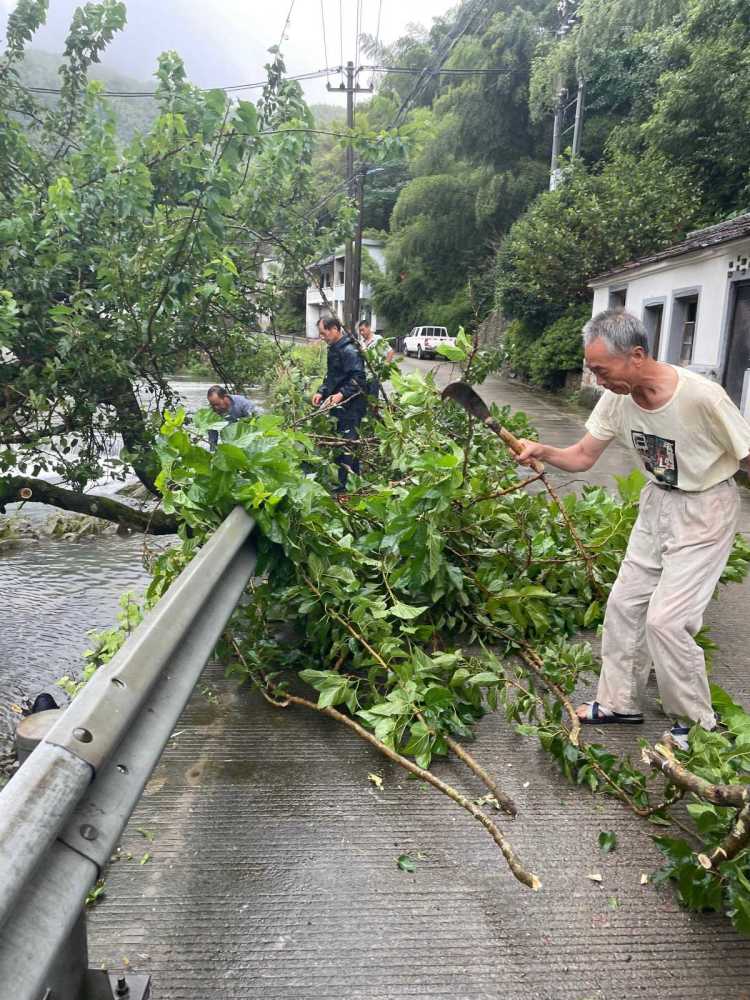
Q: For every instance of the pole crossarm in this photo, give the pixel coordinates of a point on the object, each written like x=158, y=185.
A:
x=63, y=812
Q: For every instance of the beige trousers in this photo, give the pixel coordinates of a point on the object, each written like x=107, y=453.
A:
x=677, y=551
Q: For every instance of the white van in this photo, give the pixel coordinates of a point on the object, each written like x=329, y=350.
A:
x=423, y=341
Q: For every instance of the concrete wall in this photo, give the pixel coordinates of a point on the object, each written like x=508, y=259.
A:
x=491, y=329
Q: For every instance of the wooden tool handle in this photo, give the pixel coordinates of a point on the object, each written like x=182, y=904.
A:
x=512, y=442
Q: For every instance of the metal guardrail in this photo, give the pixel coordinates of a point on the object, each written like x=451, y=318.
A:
x=63, y=812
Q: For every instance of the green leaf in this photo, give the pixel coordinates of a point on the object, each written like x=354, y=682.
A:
x=438, y=696
x=451, y=353
x=405, y=863
x=607, y=841
x=333, y=695
x=739, y=908
x=593, y=613
x=406, y=612
x=485, y=678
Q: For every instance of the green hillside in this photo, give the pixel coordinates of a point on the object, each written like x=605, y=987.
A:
x=40, y=69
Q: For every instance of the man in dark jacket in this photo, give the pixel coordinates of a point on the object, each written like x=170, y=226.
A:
x=345, y=387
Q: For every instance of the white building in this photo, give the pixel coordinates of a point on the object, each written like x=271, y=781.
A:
x=694, y=298
x=325, y=296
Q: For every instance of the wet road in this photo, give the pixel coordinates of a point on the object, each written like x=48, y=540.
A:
x=274, y=876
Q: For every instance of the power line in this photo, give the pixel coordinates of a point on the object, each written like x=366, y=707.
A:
x=376, y=51
x=377, y=31
x=446, y=49
x=357, y=30
x=326, y=71
x=236, y=88
x=416, y=70
x=341, y=37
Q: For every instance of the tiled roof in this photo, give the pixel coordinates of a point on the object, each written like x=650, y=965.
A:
x=699, y=239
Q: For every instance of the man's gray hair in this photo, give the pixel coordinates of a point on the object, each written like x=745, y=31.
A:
x=621, y=331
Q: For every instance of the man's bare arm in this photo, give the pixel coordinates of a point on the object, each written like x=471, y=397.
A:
x=578, y=457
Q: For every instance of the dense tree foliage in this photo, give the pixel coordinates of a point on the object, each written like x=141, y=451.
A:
x=665, y=147
x=590, y=223
x=117, y=262
x=475, y=161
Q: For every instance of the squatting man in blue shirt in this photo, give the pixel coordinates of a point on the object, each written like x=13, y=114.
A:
x=691, y=439
x=230, y=406
x=345, y=388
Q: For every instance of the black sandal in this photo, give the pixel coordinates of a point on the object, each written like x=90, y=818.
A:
x=595, y=717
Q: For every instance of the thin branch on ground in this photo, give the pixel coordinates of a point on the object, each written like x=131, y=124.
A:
x=504, y=801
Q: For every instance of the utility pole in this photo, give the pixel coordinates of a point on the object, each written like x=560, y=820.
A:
x=350, y=293
x=357, y=255
x=578, y=127
x=554, y=172
x=568, y=16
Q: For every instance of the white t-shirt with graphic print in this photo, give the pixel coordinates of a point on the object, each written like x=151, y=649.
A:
x=694, y=441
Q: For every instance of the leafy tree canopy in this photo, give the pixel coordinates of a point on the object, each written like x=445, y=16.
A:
x=115, y=262
x=592, y=222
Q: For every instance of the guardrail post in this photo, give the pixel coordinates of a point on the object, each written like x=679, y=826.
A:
x=69, y=977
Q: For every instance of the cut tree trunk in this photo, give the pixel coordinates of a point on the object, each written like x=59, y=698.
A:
x=16, y=489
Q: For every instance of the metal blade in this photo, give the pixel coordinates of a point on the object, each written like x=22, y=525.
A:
x=465, y=396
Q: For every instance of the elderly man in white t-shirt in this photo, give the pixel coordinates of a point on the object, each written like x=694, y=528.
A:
x=691, y=439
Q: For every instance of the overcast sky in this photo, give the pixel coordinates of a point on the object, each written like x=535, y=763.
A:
x=225, y=42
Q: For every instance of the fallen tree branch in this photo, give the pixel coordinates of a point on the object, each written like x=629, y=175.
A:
x=735, y=841
x=503, y=800
x=661, y=758
x=536, y=664
x=499, y=493
x=582, y=550
x=283, y=699
x=524, y=876
x=18, y=489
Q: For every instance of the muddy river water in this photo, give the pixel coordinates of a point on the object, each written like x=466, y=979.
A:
x=52, y=593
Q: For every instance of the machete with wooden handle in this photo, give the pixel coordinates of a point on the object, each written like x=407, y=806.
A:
x=473, y=403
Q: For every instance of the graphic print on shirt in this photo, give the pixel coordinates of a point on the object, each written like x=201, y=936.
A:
x=658, y=455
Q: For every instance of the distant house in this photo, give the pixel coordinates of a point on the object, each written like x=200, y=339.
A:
x=325, y=294
x=694, y=298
